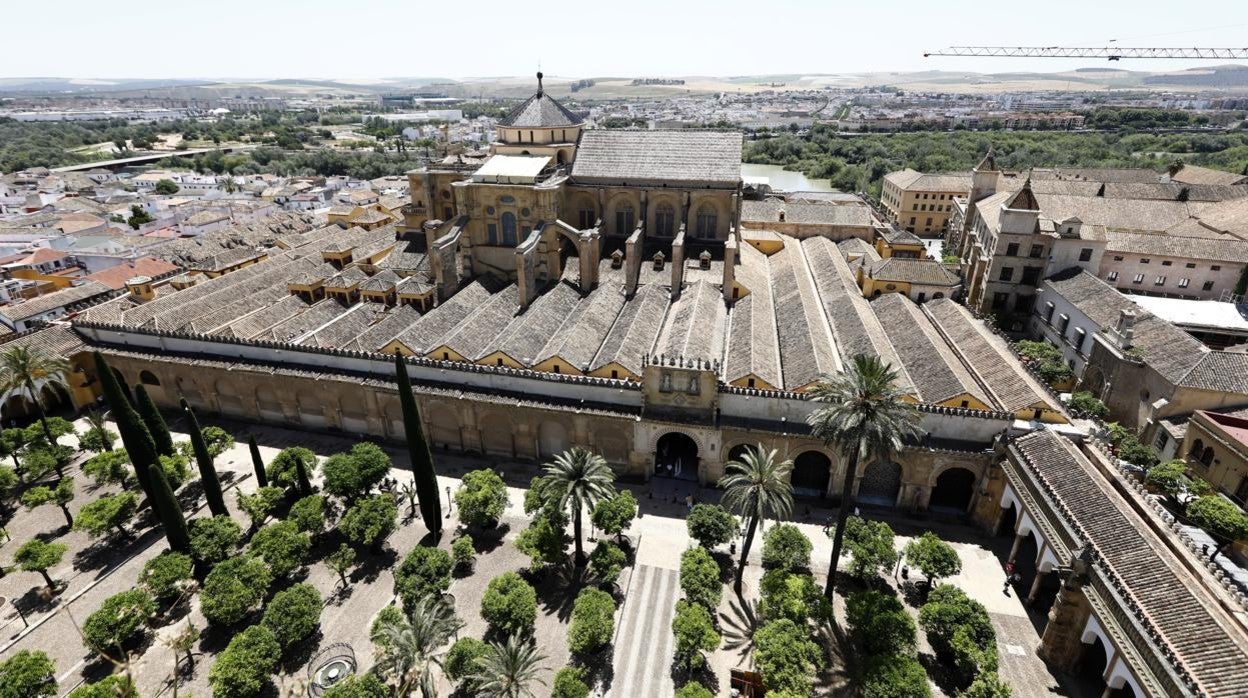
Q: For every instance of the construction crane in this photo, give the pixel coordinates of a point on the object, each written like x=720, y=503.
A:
x=1113, y=53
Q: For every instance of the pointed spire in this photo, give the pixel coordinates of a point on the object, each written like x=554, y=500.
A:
x=1025, y=199
x=539, y=83
x=989, y=163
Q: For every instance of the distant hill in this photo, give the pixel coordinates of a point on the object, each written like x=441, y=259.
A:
x=1218, y=77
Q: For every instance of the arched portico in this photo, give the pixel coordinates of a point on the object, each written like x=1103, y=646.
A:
x=812, y=474
x=676, y=455
x=880, y=483
x=953, y=489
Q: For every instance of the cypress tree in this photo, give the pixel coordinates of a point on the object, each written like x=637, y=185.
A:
x=125, y=391
x=134, y=435
x=207, y=473
x=301, y=478
x=166, y=504
x=262, y=479
x=418, y=451
x=155, y=422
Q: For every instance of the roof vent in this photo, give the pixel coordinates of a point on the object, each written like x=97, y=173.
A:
x=617, y=259
x=704, y=259
x=658, y=261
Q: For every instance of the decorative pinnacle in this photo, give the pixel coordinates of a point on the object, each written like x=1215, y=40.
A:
x=539, y=82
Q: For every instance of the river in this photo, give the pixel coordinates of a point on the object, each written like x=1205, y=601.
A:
x=785, y=180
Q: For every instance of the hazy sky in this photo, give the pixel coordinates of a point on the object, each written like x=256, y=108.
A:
x=345, y=39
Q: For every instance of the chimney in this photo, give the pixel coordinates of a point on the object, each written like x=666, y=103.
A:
x=730, y=262
x=678, y=263
x=632, y=263
x=140, y=288
x=1126, y=328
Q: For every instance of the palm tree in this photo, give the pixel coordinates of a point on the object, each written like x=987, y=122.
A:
x=581, y=478
x=408, y=647
x=97, y=422
x=755, y=487
x=26, y=374
x=506, y=670
x=865, y=417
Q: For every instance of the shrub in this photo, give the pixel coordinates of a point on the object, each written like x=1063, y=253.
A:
x=593, y=621
x=424, y=572
x=97, y=439
x=259, y=505
x=879, y=624
x=1085, y=404
x=933, y=557
x=787, y=656
x=37, y=556
x=987, y=685
x=341, y=561
x=792, y=595
x=615, y=514
x=108, y=467
x=214, y=539
x=119, y=621
x=1220, y=519
x=545, y=539
x=607, y=560
x=370, y=521
x=245, y=665
x=461, y=660
x=358, y=686
x=481, y=498
x=27, y=674
x=282, y=546
x=308, y=514
x=569, y=683
x=711, y=525
x=463, y=552
x=293, y=614
x=509, y=604
x=115, y=686
x=693, y=689
x=167, y=575
x=388, y=616
x=871, y=545
x=234, y=588
x=176, y=468
x=960, y=631
x=108, y=513
x=894, y=676
x=281, y=470
x=699, y=577
x=694, y=635
x=354, y=474
x=786, y=547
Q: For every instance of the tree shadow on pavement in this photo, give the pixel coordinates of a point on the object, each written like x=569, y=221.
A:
x=738, y=625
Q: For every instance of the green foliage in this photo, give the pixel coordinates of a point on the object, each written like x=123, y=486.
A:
x=214, y=539
x=98, y=439
x=615, y=514
x=569, y=683
x=115, y=686
x=959, y=630
x=786, y=547
x=872, y=546
x=108, y=467
x=463, y=552
x=176, y=470
x=370, y=521
x=593, y=621
x=894, y=676
x=424, y=477
x=38, y=462
x=217, y=440
x=245, y=665
x=27, y=674
x=61, y=496
x=1219, y=518
x=699, y=577
x=258, y=505
x=711, y=525
x=462, y=658
x=134, y=434
x=1168, y=478
x=308, y=514
x=154, y=420
x=607, y=561
x=293, y=614
x=167, y=575
x=1046, y=360
x=198, y=448
x=987, y=685
x=545, y=539
x=879, y=624
x=234, y=588
x=1136, y=453
x=37, y=556
x=108, y=513
x=282, y=546
x=358, y=686
x=166, y=187
x=354, y=474
x=281, y=470
x=933, y=557
x=388, y=616
x=693, y=689
x=118, y=622
x=481, y=498
x=341, y=561
x=509, y=604
x=694, y=633
x=787, y=656
x=8, y=481
x=1086, y=404
x=792, y=595
x=424, y=572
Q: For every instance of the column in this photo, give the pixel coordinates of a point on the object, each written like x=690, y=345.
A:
x=1035, y=587
x=1018, y=543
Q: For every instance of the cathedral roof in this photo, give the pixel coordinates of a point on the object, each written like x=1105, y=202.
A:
x=540, y=111
x=1024, y=200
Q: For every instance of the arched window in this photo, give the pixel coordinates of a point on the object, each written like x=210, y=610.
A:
x=148, y=378
x=624, y=219
x=509, y=229
x=586, y=216
x=1206, y=456
x=1197, y=448
x=665, y=220
x=708, y=221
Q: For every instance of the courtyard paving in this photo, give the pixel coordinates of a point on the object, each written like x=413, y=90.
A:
x=642, y=645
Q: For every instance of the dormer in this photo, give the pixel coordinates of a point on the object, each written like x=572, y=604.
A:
x=1020, y=215
x=140, y=288
x=617, y=259
x=658, y=260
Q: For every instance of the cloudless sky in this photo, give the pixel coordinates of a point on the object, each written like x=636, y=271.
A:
x=344, y=39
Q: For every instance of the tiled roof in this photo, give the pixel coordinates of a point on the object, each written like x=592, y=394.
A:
x=116, y=277
x=390, y=326
x=613, y=156
x=52, y=301
x=1194, y=174
x=540, y=111
x=938, y=373
x=808, y=213
x=928, y=272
